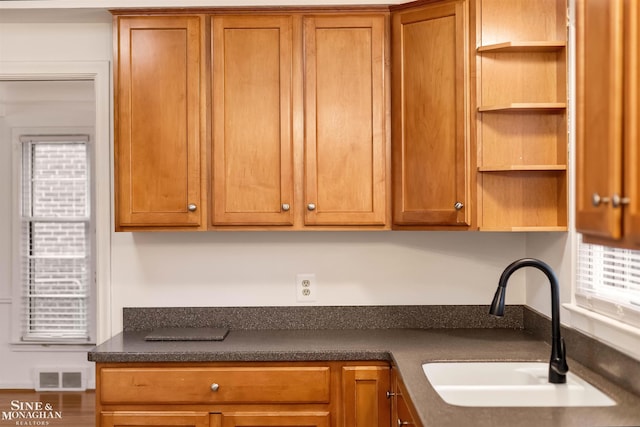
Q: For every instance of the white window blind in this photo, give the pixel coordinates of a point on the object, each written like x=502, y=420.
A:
x=608, y=281
x=56, y=239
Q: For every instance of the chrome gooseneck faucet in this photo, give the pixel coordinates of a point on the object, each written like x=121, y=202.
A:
x=558, y=364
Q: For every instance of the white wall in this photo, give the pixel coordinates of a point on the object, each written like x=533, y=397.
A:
x=554, y=249
x=352, y=268
x=255, y=268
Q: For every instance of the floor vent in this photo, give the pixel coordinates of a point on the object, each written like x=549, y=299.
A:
x=60, y=380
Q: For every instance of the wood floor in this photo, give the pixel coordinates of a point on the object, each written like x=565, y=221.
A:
x=77, y=408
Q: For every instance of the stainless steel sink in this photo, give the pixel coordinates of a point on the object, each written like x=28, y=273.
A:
x=509, y=384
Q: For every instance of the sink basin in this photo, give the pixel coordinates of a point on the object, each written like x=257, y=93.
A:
x=509, y=384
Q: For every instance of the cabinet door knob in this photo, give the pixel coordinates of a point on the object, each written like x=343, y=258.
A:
x=617, y=201
x=215, y=387
x=597, y=200
x=286, y=207
x=458, y=205
x=311, y=206
x=403, y=423
x=390, y=394
x=192, y=207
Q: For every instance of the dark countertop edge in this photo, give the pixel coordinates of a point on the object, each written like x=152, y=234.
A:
x=407, y=350
x=241, y=356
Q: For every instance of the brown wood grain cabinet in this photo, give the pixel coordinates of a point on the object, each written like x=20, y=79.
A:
x=607, y=170
x=430, y=95
x=364, y=391
x=345, y=146
x=154, y=418
x=158, y=139
x=252, y=177
x=521, y=115
x=249, y=394
x=402, y=410
x=275, y=420
x=252, y=120
x=282, y=119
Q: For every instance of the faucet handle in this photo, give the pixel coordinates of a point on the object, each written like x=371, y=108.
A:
x=558, y=365
x=563, y=357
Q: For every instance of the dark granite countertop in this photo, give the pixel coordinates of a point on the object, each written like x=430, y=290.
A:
x=406, y=348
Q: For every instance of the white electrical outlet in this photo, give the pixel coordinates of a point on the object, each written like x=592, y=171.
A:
x=306, y=287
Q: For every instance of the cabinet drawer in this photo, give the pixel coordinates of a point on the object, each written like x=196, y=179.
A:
x=234, y=385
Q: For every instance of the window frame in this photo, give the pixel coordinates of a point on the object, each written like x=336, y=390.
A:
x=98, y=71
x=603, y=299
x=17, y=330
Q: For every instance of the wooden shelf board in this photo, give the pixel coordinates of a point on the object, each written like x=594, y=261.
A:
x=524, y=106
x=510, y=168
x=525, y=228
x=524, y=46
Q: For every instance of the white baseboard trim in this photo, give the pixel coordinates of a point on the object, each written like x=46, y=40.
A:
x=17, y=386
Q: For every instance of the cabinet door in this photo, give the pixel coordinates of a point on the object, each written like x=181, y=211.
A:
x=400, y=408
x=345, y=143
x=429, y=129
x=632, y=124
x=158, y=419
x=276, y=419
x=599, y=116
x=252, y=120
x=157, y=140
x=364, y=396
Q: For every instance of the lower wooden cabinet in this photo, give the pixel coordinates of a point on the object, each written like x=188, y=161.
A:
x=402, y=412
x=274, y=394
x=291, y=419
x=154, y=418
x=364, y=396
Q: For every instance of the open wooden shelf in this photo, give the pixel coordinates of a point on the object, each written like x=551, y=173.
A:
x=522, y=166
x=524, y=106
x=523, y=200
x=510, y=168
x=524, y=46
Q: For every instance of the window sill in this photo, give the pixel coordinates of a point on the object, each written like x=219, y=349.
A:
x=616, y=334
x=50, y=347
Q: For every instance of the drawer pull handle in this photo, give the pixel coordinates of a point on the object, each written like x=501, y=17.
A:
x=215, y=387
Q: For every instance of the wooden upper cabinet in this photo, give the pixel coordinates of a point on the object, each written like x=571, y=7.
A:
x=599, y=116
x=252, y=179
x=157, y=74
x=430, y=136
x=632, y=126
x=345, y=154
x=608, y=159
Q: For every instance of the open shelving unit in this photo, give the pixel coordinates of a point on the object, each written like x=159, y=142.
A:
x=521, y=115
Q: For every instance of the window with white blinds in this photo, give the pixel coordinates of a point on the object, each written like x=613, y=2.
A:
x=608, y=281
x=56, y=243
